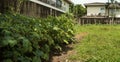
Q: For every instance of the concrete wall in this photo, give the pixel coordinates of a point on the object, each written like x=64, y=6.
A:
x=95, y=10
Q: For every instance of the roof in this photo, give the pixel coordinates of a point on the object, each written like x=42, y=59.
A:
x=95, y=4
x=69, y=1
x=113, y=6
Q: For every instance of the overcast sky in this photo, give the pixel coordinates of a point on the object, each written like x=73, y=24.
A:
x=88, y=1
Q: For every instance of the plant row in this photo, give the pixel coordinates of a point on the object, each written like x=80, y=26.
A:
x=27, y=39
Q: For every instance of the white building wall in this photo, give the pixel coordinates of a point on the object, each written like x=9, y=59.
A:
x=117, y=12
x=114, y=12
x=65, y=6
x=95, y=10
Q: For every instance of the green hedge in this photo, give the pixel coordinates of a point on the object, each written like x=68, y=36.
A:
x=25, y=39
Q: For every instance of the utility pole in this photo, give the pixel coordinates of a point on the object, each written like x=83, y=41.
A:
x=108, y=7
x=113, y=10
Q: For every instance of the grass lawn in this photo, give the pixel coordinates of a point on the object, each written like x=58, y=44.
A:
x=102, y=44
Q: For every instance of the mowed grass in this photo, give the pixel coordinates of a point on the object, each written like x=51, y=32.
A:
x=102, y=44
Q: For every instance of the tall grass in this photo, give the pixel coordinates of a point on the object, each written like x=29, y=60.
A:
x=102, y=44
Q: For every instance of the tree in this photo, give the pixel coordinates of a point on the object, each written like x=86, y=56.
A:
x=113, y=5
x=77, y=10
x=112, y=1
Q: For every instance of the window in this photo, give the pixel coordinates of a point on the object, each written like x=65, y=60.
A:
x=102, y=8
x=59, y=3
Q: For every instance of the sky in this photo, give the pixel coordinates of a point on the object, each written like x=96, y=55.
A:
x=88, y=1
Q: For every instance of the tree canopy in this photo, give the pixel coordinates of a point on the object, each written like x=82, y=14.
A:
x=78, y=10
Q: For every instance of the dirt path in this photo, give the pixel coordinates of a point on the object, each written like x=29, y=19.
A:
x=62, y=57
x=68, y=50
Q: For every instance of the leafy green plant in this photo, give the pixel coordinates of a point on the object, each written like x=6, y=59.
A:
x=24, y=39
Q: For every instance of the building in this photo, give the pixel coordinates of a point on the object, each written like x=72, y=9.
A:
x=39, y=8
x=44, y=8
x=103, y=9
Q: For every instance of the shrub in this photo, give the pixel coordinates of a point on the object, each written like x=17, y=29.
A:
x=26, y=39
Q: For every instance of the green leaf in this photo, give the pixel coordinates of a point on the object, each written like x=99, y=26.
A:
x=24, y=59
x=26, y=45
x=36, y=59
x=6, y=32
x=46, y=56
x=66, y=41
x=35, y=35
x=9, y=41
x=56, y=28
x=38, y=53
x=12, y=43
x=8, y=60
x=58, y=47
x=71, y=31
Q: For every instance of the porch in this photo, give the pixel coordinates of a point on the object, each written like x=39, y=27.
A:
x=98, y=20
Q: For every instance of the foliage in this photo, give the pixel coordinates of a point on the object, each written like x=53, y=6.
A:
x=100, y=45
x=112, y=1
x=77, y=10
x=11, y=6
x=25, y=39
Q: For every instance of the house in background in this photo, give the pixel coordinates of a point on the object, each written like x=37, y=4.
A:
x=103, y=9
x=96, y=8
x=38, y=8
x=114, y=10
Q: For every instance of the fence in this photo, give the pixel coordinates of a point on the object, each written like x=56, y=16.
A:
x=98, y=20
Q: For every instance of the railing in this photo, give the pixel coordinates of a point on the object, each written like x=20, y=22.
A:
x=53, y=3
x=98, y=20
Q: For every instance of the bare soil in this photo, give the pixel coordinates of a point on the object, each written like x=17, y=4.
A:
x=67, y=50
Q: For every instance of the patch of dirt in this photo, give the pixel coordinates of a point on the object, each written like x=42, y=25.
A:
x=80, y=36
x=67, y=50
x=62, y=57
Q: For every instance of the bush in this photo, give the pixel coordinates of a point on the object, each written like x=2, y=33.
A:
x=25, y=39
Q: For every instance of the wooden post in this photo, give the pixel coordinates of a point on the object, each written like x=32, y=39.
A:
x=83, y=21
x=95, y=21
x=87, y=21
x=40, y=10
x=99, y=21
x=79, y=21
x=50, y=11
